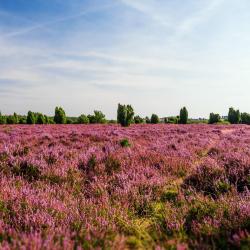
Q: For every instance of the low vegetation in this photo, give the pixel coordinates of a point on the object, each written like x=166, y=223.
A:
x=106, y=187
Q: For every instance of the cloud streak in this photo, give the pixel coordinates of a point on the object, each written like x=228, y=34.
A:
x=127, y=51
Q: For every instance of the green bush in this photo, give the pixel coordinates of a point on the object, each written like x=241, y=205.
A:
x=245, y=118
x=138, y=119
x=125, y=114
x=98, y=117
x=60, y=116
x=83, y=119
x=214, y=118
x=234, y=116
x=183, y=116
x=31, y=119
x=40, y=119
x=125, y=143
x=154, y=119
x=2, y=119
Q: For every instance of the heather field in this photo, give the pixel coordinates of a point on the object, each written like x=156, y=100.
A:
x=108, y=187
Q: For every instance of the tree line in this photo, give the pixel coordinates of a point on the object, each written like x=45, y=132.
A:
x=125, y=116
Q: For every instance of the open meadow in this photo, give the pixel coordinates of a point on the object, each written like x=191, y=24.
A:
x=108, y=187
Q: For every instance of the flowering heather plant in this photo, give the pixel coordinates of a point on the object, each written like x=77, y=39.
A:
x=79, y=187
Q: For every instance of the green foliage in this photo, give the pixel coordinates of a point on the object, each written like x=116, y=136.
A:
x=2, y=119
x=154, y=119
x=125, y=143
x=245, y=118
x=98, y=117
x=60, y=116
x=83, y=119
x=171, y=120
x=125, y=114
x=183, y=116
x=214, y=118
x=31, y=119
x=234, y=116
x=138, y=119
x=40, y=119
x=147, y=120
x=22, y=120
x=11, y=119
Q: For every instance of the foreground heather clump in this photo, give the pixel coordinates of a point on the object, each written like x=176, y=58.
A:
x=107, y=187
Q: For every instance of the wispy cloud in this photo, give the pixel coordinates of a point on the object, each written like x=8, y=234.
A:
x=44, y=25
x=112, y=51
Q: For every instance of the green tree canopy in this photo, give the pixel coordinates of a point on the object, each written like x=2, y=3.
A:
x=154, y=119
x=125, y=115
x=183, y=116
x=60, y=116
x=245, y=118
x=214, y=118
x=234, y=116
x=31, y=119
x=83, y=119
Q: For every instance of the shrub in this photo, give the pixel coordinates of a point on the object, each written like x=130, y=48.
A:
x=214, y=118
x=83, y=119
x=234, y=116
x=183, y=116
x=171, y=120
x=138, y=119
x=31, y=119
x=40, y=119
x=245, y=118
x=147, y=120
x=60, y=116
x=12, y=119
x=125, y=114
x=98, y=117
x=154, y=119
x=125, y=143
x=2, y=119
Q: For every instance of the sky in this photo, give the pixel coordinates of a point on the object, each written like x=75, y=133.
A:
x=158, y=55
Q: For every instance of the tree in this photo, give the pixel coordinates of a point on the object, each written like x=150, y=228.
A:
x=245, y=118
x=11, y=119
x=147, y=120
x=125, y=115
x=40, y=119
x=83, y=119
x=183, y=116
x=22, y=120
x=60, y=116
x=2, y=119
x=138, y=119
x=171, y=120
x=16, y=118
x=98, y=117
x=214, y=118
x=234, y=116
x=154, y=119
x=31, y=119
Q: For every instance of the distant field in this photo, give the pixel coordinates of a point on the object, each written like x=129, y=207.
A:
x=107, y=187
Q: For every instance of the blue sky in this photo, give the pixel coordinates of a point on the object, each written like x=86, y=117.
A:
x=157, y=55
